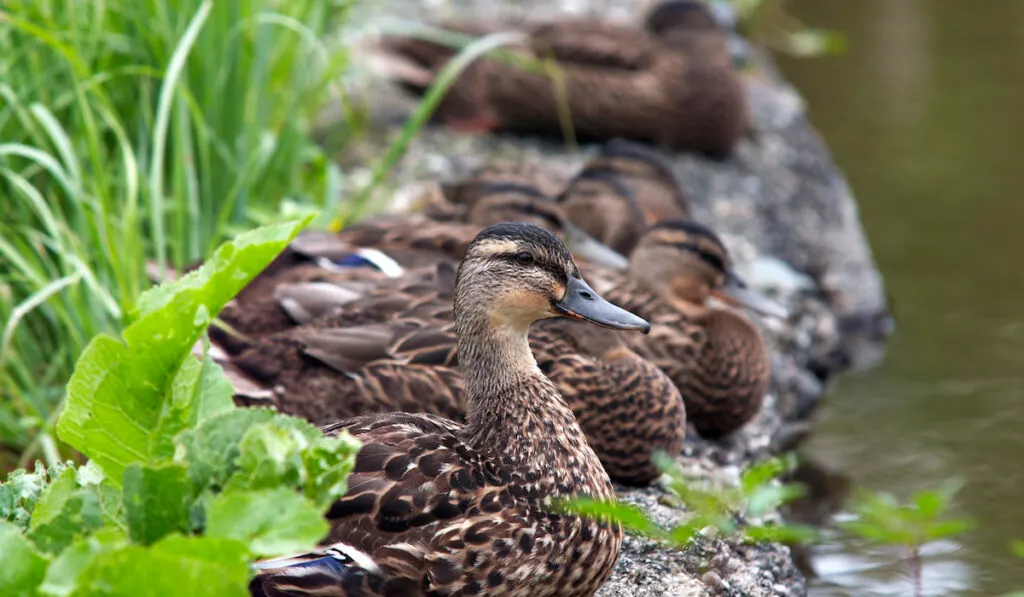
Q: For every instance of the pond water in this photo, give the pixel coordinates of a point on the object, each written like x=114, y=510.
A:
x=923, y=115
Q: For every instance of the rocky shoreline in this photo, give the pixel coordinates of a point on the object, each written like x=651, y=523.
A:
x=789, y=219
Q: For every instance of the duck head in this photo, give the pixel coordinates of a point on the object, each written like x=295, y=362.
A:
x=679, y=15
x=517, y=202
x=516, y=273
x=687, y=264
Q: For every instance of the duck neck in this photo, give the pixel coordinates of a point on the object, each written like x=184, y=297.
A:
x=514, y=410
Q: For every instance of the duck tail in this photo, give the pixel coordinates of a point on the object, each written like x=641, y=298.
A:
x=415, y=61
x=411, y=62
x=337, y=570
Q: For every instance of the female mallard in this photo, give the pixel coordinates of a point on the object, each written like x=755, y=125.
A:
x=436, y=507
x=714, y=354
x=670, y=83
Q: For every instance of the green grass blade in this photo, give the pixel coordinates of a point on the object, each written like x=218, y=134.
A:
x=163, y=115
x=431, y=99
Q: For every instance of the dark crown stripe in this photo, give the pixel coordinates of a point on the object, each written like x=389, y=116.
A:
x=691, y=228
x=711, y=259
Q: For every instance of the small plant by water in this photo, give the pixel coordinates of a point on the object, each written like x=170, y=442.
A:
x=908, y=526
x=733, y=512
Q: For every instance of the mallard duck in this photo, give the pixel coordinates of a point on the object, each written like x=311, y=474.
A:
x=680, y=277
x=436, y=507
x=670, y=83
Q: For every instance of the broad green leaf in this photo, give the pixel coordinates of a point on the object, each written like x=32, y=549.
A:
x=53, y=501
x=682, y=533
x=199, y=391
x=65, y=510
x=157, y=500
x=119, y=393
x=269, y=456
x=328, y=463
x=879, y=533
x=933, y=503
x=212, y=448
x=21, y=567
x=176, y=565
x=108, y=496
x=269, y=521
x=62, y=575
x=929, y=504
x=297, y=454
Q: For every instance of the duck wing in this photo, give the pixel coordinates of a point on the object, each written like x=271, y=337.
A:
x=595, y=44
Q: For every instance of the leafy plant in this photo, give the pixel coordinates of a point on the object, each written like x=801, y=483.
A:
x=733, y=511
x=182, y=488
x=134, y=132
x=882, y=519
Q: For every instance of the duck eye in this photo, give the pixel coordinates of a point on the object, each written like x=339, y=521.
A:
x=524, y=258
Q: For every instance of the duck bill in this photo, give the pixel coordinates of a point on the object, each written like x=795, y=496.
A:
x=737, y=293
x=587, y=247
x=583, y=303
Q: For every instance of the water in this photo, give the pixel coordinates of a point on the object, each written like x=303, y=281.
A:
x=923, y=113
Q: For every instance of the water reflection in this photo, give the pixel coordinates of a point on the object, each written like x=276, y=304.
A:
x=922, y=114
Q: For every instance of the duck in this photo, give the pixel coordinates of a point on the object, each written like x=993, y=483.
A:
x=438, y=507
x=670, y=82
x=682, y=279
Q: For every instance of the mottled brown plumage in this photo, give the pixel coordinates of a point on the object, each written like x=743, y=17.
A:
x=341, y=366
x=436, y=507
x=670, y=83
x=679, y=276
x=410, y=240
x=713, y=354
x=470, y=189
